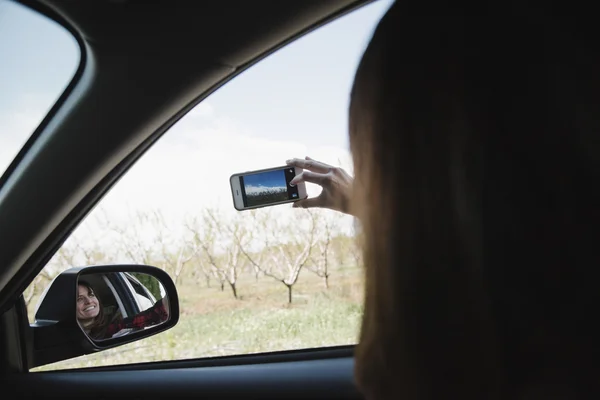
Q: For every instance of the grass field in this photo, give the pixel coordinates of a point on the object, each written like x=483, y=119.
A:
x=213, y=323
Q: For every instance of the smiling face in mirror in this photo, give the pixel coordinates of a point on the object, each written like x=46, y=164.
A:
x=116, y=304
x=88, y=306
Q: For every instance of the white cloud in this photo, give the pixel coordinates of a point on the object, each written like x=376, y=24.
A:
x=202, y=110
x=189, y=169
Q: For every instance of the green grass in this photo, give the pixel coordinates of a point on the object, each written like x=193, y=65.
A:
x=212, y=323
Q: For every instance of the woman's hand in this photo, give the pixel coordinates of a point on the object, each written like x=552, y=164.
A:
x=336, y=184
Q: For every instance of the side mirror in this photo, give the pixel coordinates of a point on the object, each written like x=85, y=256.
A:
x=90, y=309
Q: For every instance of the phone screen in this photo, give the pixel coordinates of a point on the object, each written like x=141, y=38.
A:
x=268, y=187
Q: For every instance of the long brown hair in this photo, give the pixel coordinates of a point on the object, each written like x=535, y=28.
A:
x=468, y=137
x=98, y=325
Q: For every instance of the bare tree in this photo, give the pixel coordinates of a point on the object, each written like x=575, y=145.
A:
x=217, y=243
x=206, y=262
x=344, y=248
x=203, y=242
x=35, y=289
x=283, y=259
x=249, y=268
x=133, y=239
x=66, y=256
x=256, y=222
x=200, y=271
x=63, y=259
x=320, y=259
x=355, y=250
x=90, y=254
x=232, y=236
x=339, y=250
x=74, y=252
x=198, y=240
x=96, y=228
x=173, y=253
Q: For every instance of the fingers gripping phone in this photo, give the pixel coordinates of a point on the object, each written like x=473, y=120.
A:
x=266, y=187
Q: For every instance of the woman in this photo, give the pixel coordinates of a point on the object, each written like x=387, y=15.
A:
x=90, y=315
x=475, y=141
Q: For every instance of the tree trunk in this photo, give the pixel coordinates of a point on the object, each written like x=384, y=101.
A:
x=326, y=281
x=222, y=286
x=207, y=281
x=289, y=287
x=233, y=289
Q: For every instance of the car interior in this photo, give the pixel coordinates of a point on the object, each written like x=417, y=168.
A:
x=144, y=65
x=140, y=289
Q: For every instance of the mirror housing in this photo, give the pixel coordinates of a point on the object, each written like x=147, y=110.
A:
x=57, y=334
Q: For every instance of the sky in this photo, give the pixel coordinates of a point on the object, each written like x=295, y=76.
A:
x=292, y=104
x=269, y=179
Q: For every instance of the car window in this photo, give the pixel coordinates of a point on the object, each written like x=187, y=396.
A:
x=144, y=297
x=38, y=59
x=111, y=297
x=271, y=279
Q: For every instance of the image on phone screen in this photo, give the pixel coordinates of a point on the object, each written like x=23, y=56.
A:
x=268, y=187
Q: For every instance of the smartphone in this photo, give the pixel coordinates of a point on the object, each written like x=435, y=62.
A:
x=266, y=187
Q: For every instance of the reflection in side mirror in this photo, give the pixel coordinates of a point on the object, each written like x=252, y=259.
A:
x=90, y=309
x=117, y=304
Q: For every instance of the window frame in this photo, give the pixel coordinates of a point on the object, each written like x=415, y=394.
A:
x=79, y=212
x=52, y=15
